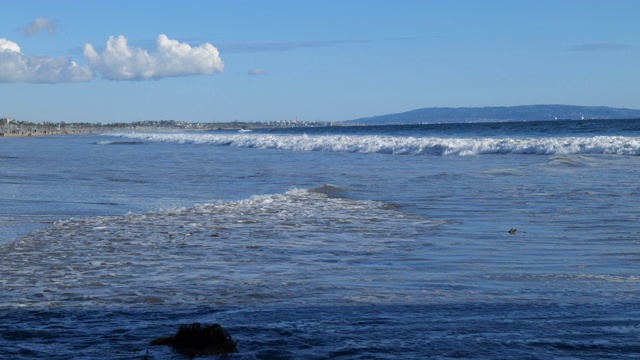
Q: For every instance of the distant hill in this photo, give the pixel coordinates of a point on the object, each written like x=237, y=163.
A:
x=499, y=113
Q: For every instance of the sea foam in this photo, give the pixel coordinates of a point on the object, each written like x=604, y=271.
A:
x=442, y=146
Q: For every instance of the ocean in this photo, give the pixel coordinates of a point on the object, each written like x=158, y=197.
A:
x=514, y=240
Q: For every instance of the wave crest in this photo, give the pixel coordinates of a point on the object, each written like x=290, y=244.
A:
x=441, y=146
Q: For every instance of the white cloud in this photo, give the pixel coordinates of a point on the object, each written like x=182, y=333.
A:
x=15, y=66
x=119, y=61
x=41, y=24
x=257, y=71
x=8, y=45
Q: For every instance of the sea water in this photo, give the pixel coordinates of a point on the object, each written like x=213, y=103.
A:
x=388, y=242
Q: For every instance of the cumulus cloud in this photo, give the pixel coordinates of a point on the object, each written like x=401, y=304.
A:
x=41, y=24
x=8, y=45
x=15, y=66
x=257, y=71
x=119, y=61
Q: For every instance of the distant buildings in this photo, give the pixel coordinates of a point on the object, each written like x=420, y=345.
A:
x=4, y=125
x=10, y=125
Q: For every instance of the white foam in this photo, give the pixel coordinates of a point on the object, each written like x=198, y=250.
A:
x=219, y=252
x=618, y=145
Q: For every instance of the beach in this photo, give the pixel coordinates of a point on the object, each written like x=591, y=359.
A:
x=30, y=134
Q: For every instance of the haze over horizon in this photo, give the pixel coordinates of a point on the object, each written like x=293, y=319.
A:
x=208, y=61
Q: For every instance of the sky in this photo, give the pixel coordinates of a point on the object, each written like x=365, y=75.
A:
x=330, y=60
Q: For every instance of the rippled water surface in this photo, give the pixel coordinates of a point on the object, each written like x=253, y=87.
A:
x=318, y=246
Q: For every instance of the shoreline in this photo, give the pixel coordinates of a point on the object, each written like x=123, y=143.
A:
x=24, y=134
x=21, y=135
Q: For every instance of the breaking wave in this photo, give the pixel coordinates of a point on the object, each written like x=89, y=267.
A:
x=119, y=143
x=138, y=259
x=440, y=146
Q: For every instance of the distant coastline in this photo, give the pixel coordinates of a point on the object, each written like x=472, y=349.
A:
x=499, y=114
x=12, y=128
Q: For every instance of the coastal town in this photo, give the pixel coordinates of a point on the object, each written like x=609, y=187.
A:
x=12, y=127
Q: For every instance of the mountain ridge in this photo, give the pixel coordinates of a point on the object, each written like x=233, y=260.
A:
x=499, y=113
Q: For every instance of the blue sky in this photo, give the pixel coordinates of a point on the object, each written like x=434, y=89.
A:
x=329, y=60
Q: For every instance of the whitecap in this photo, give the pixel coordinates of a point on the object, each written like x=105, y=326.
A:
x=441, y=146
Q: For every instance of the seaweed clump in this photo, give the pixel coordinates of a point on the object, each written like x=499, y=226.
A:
x=195, y=340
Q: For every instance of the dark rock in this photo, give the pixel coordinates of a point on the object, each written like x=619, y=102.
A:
x=194, y=340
